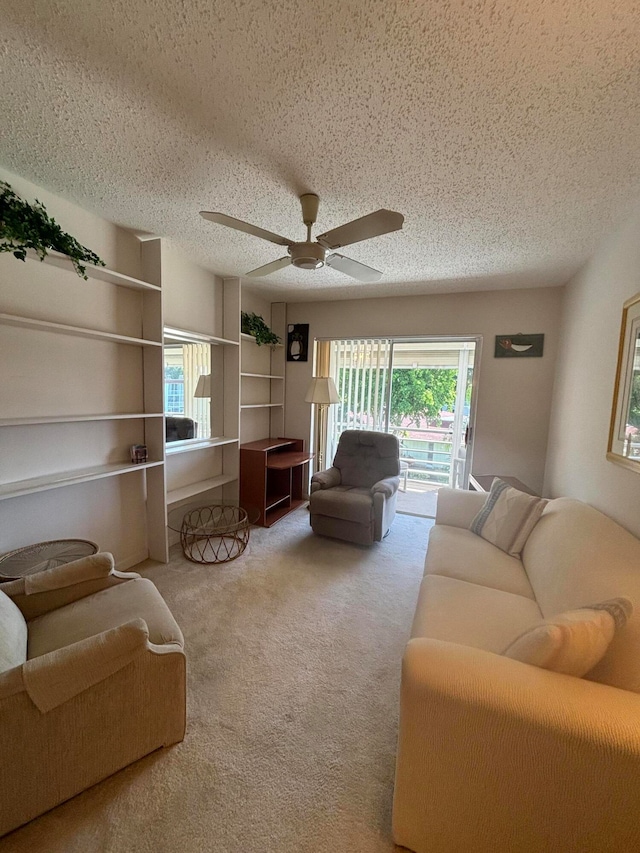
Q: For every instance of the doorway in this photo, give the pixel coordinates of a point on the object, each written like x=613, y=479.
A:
x=423, y=391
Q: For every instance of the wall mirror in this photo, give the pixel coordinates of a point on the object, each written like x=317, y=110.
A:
x=187, y=387
x=624, y=435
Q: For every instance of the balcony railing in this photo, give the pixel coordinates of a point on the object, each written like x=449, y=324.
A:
x=429, y=457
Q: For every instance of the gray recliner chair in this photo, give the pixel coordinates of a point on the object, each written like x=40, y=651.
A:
x=356, y=498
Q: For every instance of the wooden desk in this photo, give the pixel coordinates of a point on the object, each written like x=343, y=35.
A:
x=482, y=483
x=271, y=477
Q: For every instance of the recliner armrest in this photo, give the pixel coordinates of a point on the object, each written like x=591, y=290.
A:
x=388, y=486
x=326, y=479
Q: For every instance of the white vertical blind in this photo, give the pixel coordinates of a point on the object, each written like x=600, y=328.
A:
x=360, y=369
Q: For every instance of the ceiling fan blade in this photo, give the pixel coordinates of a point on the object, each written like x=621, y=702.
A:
x=274, y=266
x=355, y=269
x=373, y=225
x=239, y=225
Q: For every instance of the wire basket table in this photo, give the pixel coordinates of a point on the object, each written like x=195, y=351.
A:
x=43, y=556
x=214, y=534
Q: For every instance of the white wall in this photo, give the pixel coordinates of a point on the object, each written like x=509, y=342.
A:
x=514, y=394
x=583, y=394
x=191, y=295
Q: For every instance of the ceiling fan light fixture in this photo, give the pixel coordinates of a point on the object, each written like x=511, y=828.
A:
x=307, y=256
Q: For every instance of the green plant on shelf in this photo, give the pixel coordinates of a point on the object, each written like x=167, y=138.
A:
x=25, y=226
x=254, y=325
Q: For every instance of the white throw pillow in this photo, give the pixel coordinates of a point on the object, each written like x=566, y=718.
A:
x=507, y=517
x=13, y=634
x=572, y=642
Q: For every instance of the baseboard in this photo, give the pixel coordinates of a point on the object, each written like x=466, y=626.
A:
x=129, y=562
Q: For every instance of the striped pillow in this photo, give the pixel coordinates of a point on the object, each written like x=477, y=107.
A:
x=507, y=517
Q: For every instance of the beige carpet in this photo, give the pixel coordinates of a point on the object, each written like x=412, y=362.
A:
x=294, y=662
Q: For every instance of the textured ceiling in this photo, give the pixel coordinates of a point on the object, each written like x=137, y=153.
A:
x=506, y=131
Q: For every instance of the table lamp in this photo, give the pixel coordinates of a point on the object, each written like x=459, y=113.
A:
x=203, y=388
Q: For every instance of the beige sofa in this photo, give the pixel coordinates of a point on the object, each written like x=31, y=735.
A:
x=92, y=677
x=497, y=755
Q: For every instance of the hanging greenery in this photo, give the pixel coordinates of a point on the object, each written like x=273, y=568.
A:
x=254, y=325
x=26, y=226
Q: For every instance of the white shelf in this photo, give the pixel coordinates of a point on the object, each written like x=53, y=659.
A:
x=73, y=419
x=261, y=376
x=69, y=478
x=99, y=273
x=262, y=406
x=46, y=326
x=197, y=445
x=172, y=334
x=175, y=496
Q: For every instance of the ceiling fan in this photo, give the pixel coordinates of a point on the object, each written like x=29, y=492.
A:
x=311, y=255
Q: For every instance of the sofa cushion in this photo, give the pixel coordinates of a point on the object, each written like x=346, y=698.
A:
x=461, y=612
x=575, y=556
x=458, y=553
x=348, y=503
x=507, y=517
x=102, y=611
x=13, y=634
x=572, y=642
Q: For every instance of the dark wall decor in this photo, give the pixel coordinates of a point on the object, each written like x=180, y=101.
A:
x=519, y=346
x=298, y=342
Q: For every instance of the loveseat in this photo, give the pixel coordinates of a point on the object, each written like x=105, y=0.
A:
x=499, y=755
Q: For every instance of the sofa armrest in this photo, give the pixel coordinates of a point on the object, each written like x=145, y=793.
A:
x=387, y=487
x=457, y=507
x=326, y=479
x=494, y=754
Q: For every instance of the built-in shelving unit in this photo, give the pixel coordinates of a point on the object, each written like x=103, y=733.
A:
x=262, y=379
x=74, y=449
x=206, y=470
x=84, y=395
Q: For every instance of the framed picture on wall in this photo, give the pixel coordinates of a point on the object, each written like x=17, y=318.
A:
x=519, y=346
x=298, y=342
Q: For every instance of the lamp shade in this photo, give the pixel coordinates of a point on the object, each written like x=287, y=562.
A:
x=322, y=390
x=203, y=388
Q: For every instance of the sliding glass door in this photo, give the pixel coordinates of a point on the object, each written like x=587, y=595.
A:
x=420, y=390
